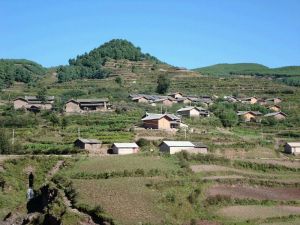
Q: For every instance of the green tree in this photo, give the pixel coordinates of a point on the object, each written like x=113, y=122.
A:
x=163, y=84
x=5, y=144
x=64, y=122
x=42, y=94
x=54, y=119
x=119, y=81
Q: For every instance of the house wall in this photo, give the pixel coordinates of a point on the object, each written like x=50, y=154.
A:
x=167, y=102
x=275, y=109
x=248, y=117
x=124, y=151
x=177, y=96
x=253, y=100
x=142, y=100
x=72, y=107
x=19, y=104
x=172, y=150
x=150, y=124
x=279, y=117
x=194, y=113
x=164, y=124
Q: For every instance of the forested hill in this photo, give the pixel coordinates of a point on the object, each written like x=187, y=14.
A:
x=248, y=69
x=91, y=65
x=19, y=70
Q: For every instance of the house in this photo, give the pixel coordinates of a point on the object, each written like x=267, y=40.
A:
x=184, y=100
x=172, y=147
x=250, y=100
x=160, y=121
x=86, y=105
x=249, y=116
x=230, y=99
x=275, y=108
x=274, y=100
x=88, y=144
x=165, y=101
x=193, y=112
x=125, y=148
x=292, y=148
x=276, y=115
x=33, y=103
x=176, y=95
x=140, y=99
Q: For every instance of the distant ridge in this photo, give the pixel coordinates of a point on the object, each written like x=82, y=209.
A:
x=248, y=69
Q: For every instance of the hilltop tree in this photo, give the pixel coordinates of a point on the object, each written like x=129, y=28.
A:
x=163, y=84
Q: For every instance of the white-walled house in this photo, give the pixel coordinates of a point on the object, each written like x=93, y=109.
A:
x=125, y=148
x=292, y=148
x=172, y=147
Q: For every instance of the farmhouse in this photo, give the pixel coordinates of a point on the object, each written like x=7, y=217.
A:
x=250, y=100
x=86, y=105
x=125, y=148
x=274, y=100
x=292, y=148
x=160, y=121
x=168, y=101
x=249, y=116
x=277, y=115
x=33, y=103
x=176, y=95
x=275, y=108
x=140, y=99
x=88, y=144
x=184, y=100
x=172, y=147
x=193, y=112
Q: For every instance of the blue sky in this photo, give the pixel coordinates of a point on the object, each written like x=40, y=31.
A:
x=189, y=33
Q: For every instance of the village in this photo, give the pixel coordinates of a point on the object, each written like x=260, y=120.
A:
x=191, y=107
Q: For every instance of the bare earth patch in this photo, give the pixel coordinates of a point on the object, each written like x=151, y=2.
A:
x=255, y=211
x=209, y=168
x=261, y=193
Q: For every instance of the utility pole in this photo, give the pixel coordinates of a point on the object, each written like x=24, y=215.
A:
x=13, y=137
x=184, y=133
x=161, y=109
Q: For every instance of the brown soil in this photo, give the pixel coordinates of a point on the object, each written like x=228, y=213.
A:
x=257, y=211
x=261, y=193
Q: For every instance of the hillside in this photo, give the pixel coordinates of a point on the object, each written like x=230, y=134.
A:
x=248, y=69
x=19, y=70
x=103, y=61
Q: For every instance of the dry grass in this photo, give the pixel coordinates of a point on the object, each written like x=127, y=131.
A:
x=127, y=200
